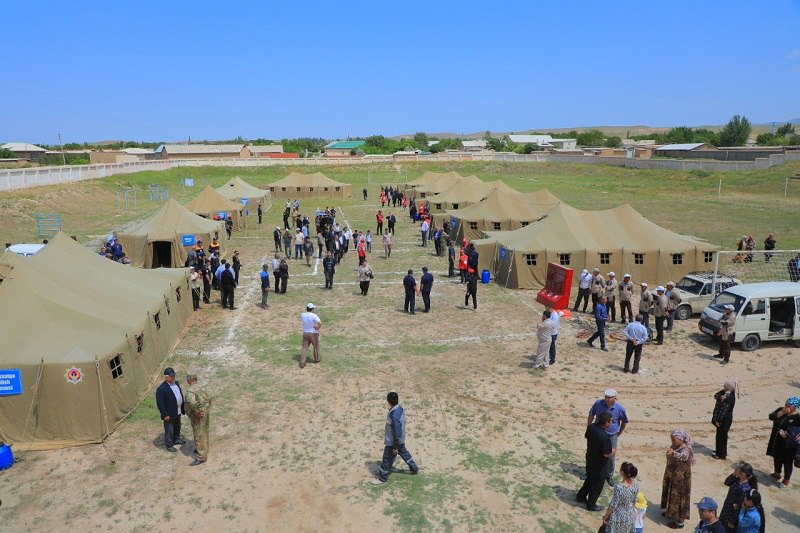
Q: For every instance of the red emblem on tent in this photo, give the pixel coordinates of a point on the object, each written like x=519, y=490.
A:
x=74, y=375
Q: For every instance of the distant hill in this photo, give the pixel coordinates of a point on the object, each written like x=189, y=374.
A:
x=619, y=131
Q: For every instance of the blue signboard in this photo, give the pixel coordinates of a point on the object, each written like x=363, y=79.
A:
x=502, y=253
x=10, y=381
x=222, y=215
x=245, y=201
x=187, y=240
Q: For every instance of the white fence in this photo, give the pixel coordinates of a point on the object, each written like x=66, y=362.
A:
x=33, y=177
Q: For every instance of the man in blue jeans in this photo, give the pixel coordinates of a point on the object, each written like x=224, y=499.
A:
x=600, y=317
x=394, y=441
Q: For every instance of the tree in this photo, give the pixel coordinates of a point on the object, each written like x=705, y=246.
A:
x=421, y=140
x=591, y=138
x=787, y=130
x=493, y=143
x=529, y=148
x=735, y=132
x=613, y=142
x=5, y=153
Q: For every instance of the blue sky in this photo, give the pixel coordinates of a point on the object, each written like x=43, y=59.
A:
x=214, y=70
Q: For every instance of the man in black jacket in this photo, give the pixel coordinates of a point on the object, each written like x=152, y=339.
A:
x=169, y=400
x=329, y=269
x=227, y=284
x=598, y=450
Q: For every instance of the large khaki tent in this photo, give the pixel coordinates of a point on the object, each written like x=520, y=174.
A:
x=157, y=241
x=502, y=211
x=619, y=240
x=463, y=194
x=88, y=336
x=446, y=182
x=212, y=205
x=430, y=177
x=237, y=190
x=317, y=185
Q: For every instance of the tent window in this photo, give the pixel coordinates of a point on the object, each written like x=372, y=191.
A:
x=166, y=304
x=337, y=189
x=564, y=259
x=638, y=259
x=116, y=366
x=157, y=320
x=473, y=225
x=496, y=226
x=283, y=189
x=139, y=342
x=178, y=294
x=455, y=206
x=530, y=259
x=438, y=206
x=311, y=189
x=298, y=189
x=708, y=257
x=524, y=223
x=605, y=258
x=677, y=259
x=272, y=189
x=325, y=189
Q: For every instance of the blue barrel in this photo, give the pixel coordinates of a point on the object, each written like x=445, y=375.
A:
x=6, y=457
x=485, y=276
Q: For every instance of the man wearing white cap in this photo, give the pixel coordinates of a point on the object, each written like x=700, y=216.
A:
x=311, y=325
x=645, y=305
x=660, y=312
x=597, y=286
x=625, y=296
x=619, y=419
x=583, y=290
x=611, y=294
x=727, y=323
x=673, y=301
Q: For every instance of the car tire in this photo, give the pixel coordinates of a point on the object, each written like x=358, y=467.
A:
x=684, y=312
x=750, y=343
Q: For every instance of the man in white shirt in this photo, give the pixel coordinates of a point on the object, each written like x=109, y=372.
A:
x=554, y=317
x=311, y=325
x=423, y=230
x=583, y=290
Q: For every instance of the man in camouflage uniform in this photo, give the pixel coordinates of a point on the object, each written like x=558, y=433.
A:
x=625, y=297
x=197, y=404
x=597, y=288
x=611, y=294
x=673, y=301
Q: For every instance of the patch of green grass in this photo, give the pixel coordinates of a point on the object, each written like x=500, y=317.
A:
x=554, y=525
x=147, y=410
x=417, y=502
x=498, y=484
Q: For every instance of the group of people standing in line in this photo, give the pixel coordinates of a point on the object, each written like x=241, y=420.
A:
x=742, y=509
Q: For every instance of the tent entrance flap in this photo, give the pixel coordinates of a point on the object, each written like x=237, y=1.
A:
x=162, y=254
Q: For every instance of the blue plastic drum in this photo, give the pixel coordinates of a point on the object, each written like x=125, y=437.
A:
x=6, y=457
x=485, y=276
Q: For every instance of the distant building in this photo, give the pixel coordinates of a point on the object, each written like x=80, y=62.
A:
x=342, y=148
x=31, y=152
x=202, y=151
x=546, y=142
x=125, y=155
x=265, y=150
x=474, y=145
x=683, y=149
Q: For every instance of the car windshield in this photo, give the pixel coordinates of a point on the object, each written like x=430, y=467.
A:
x=692, y=286
x=727, y=298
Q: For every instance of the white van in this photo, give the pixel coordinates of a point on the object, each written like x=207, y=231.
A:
x=764, y=312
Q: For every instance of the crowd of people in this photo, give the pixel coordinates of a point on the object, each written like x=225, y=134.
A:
x=742, y=509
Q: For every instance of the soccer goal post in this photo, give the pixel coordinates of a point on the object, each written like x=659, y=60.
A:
x=758, y=265
x=390, y=178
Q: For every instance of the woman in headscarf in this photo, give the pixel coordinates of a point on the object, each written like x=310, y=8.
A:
x=722, y=418
x=781, y=447
x=676, y=488
x=620, y=514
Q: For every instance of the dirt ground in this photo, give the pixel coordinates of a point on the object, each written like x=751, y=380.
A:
x=500, y=445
